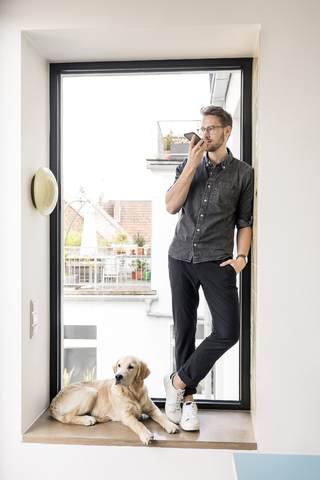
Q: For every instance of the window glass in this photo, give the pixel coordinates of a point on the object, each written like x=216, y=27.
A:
x=122, y=138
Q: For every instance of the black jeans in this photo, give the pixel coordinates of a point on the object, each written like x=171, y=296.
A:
x=220, y=290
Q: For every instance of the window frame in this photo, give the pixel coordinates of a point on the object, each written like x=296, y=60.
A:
x=57, y=70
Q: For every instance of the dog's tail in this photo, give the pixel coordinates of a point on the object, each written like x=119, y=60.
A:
x=54, y=411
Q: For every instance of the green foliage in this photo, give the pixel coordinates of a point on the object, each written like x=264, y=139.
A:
x=121, y=239
x=138, y=263
x=139, y=240
x=102, y=242
x=74, y=239
x=67, y=377
x=90, y=374
x=168, y=139
x=91, y=265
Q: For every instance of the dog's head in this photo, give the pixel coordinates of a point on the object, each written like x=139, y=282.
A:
x=130, y=370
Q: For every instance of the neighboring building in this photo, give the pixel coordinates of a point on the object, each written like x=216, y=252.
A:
x=132, y=215
x=74, y=211
x=112, y=217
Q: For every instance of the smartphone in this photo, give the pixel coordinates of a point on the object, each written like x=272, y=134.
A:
x=190, y=135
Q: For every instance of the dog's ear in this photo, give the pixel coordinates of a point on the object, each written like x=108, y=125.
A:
x=115, y=367
x=143, y=372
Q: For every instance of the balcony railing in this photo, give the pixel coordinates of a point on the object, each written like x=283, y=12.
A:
x=105, y=268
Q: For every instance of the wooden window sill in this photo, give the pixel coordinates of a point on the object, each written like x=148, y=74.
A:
x=231, y=430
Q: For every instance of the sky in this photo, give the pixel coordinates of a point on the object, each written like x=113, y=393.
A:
x=109, y=128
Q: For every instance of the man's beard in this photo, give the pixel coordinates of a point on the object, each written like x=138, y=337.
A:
x=213, y=147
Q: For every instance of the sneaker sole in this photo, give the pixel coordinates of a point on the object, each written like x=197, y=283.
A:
x=192, y=429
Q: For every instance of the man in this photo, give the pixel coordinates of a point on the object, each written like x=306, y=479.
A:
x=214, y=193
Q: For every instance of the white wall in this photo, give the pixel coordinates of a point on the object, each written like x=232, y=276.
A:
x=288, y=308
x=288, y=294
x=35, y=244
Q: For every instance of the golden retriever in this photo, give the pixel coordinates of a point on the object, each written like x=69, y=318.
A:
x=124, y=398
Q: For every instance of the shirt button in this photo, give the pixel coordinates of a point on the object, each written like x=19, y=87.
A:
x=194, y=244
x=198, y=229
x=209, y=186
x=201, y=215
x=205, y=199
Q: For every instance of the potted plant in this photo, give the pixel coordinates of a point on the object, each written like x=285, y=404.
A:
x=139, y=241
x=138, y=268
x=121, y=239
x=168, y=139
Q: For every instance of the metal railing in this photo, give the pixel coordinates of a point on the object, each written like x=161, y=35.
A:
x=100, y=268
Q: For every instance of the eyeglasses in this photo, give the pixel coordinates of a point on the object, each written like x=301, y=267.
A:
x=209, y=129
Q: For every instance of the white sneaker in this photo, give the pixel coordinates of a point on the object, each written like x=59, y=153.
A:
x=174, y=399
x=189, y=419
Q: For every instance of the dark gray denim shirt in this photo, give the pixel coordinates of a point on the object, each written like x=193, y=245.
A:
x=219, y=200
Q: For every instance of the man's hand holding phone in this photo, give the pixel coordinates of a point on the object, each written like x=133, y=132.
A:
x=177, y=194
x=197, y=148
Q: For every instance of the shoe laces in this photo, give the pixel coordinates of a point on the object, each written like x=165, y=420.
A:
x=190, y=411
x=178, y=400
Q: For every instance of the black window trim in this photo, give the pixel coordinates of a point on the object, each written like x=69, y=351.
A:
x=57, y=70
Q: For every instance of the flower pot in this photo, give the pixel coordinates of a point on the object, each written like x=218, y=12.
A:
x=139, y=272
x=140, y=251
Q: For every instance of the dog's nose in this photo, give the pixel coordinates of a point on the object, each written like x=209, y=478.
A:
x=119, y=377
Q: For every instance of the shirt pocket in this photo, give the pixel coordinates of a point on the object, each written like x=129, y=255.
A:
x=224, y=193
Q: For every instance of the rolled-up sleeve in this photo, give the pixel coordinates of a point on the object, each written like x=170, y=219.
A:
x=244, y=215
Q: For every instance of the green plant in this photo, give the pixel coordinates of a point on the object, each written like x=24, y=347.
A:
x=138, y=263
x=121, y=238
x=138, y=240
x=74, y=239
x=91, y=265
x=90, y=374
x=102, y=242
x=67, y=376
x=168, y=139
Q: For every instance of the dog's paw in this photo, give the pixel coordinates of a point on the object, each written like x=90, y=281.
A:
x=171, y=427
x=146, y=437
x=88, y=420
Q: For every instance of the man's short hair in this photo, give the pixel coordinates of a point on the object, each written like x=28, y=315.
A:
x=225, y=117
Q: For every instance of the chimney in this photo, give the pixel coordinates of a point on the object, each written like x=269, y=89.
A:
x=117, y=211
